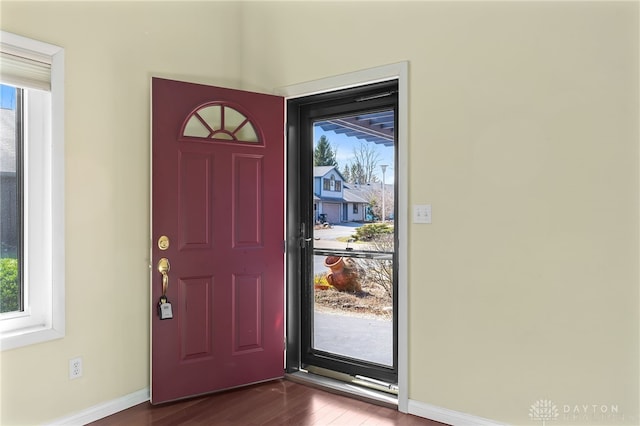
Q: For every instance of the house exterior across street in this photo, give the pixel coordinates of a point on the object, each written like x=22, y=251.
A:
x=335, y=199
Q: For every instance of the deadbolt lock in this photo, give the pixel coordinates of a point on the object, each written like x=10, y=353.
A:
x=163, y=242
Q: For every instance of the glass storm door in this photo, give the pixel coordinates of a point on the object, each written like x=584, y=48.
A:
x=346, y=167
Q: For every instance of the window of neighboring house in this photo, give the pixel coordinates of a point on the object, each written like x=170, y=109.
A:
x=355, y=208
x=32, y=191
x=332, y=183
x=326, y=184
x=338, y=186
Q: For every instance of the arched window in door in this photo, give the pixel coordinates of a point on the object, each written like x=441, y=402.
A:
x=220, y=122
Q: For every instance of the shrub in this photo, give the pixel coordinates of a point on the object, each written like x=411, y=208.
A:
x=371, y=231
x=9, y=286
x=380, y=271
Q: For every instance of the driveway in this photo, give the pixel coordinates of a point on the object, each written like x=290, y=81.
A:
x=342, y=230
x=326, y=238
x=360, y=337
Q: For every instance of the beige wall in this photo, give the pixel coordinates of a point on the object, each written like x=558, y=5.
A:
x=111, y=51
x=523, y=136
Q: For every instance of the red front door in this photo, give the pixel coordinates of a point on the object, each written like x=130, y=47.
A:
x=218, y=219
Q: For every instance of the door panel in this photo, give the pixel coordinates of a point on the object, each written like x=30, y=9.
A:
x=217, y=194
x=194, y=205
x=248, y=201
x=195, y=335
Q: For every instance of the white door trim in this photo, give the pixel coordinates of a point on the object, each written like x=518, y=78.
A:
x=399, y=71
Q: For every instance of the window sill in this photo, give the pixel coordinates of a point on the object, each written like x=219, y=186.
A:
x=29, y=336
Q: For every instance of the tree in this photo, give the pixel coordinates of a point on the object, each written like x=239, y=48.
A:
x=375, y=200
x=346, y=173
x=365, y=162
x=324, y=154
x=356, y=174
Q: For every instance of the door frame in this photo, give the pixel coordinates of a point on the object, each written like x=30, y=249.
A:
x=399, y=71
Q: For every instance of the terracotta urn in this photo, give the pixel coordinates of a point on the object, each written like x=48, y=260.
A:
x=342, y=278
x=335, y=263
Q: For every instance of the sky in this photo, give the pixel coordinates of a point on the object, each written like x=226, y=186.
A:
x=7, y=97
x=345, y=145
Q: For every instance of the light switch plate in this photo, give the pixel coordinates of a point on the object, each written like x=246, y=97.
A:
x=422, y=213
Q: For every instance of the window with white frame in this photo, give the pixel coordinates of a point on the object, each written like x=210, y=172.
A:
x=32, y=191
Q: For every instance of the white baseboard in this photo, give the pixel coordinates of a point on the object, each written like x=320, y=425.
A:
x=104, y=409
x=450, y=417
x=428, y=411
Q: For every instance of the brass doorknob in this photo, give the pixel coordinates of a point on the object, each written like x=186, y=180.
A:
x=163, y=265
x=163, y=268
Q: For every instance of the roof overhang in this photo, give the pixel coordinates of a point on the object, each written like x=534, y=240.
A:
x=376, y=127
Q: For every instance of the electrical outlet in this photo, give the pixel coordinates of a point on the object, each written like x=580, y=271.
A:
x=75, y=368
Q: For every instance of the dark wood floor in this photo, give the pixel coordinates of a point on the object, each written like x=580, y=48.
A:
x=279, y=402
